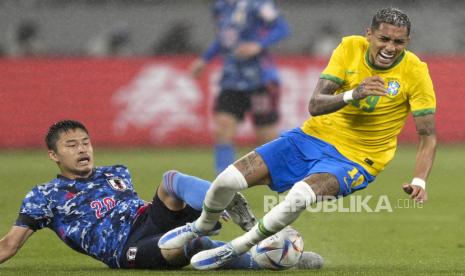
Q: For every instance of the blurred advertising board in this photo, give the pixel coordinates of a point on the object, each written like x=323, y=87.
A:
x=155, y=102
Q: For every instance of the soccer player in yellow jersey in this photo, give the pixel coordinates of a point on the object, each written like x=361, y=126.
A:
x=358, y=108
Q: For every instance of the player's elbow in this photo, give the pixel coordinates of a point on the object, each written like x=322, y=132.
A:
x=313, y=108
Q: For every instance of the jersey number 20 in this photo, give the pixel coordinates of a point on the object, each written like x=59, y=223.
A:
x=102, y=206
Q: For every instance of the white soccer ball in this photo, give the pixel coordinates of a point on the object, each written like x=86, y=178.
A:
x=280, y=251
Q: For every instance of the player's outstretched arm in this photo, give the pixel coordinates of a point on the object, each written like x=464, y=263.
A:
x=425, y=156
x=324, y=101
x=198, y=65
x=13, y=241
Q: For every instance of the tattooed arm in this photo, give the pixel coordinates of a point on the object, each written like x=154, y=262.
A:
x=425, y=155
x=324, y=101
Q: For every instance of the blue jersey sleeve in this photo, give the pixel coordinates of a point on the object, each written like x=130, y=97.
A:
x=212, y=51
x=35, y=211
x=276, y=26
x=278, y=30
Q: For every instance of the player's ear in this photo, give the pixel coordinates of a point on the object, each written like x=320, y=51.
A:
x=368, y=33
x=52, y=155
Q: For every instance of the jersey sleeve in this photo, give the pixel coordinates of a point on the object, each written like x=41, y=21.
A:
x=276, y=25
x=35, y=211
x=335, y=70
x=212, y=51
x=422, y=99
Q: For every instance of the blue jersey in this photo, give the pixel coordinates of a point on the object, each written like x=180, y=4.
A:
x=246, y=21
x=92, y=215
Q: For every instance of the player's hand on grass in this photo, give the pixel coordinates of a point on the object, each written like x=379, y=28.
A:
x=416, y=193
x=247, y=50
x=197, y=67
x=371, y=86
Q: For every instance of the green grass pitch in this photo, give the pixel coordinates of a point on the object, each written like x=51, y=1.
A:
x=406, y=241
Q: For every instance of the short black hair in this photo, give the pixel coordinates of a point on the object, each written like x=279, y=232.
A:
x=391, y=16
x=57, y=128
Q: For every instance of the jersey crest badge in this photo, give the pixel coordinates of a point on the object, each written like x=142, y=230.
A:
x=131, y=254
x=393, y=88
x=117, y=183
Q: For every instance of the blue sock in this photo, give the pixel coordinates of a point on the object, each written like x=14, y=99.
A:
x=187, y=188
x=224, y=156
x=196, y=245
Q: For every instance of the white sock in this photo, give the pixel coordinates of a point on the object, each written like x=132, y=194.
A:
x=219, y=195
x=299, y=197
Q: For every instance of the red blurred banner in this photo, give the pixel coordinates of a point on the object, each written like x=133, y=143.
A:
x=154, y=101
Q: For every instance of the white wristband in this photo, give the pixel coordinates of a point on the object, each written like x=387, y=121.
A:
x=348, y=97
x=419, y=182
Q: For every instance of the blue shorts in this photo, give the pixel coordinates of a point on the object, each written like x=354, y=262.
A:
x=296, y=155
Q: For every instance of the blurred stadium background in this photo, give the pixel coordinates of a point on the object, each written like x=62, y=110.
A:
x=121, y=67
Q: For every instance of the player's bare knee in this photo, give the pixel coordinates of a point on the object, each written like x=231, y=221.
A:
x=171, y=202
x=323, y=184
x=253, y=167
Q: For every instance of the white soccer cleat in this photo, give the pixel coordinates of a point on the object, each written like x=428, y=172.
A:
x=213, y=258
x=310, y=260
x=180, y=236
x=240, y=212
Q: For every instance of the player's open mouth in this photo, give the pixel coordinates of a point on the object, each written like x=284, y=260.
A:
x=84, y=160
x=386, y=58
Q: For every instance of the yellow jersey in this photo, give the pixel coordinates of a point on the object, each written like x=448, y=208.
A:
x=365, y=131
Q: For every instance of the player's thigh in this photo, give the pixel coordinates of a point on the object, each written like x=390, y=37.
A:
x=145, y=254
x=254, y=169
x=235, y=103
x=165, y=219
x=266, y=133
x=264, y=104
x=337, y=176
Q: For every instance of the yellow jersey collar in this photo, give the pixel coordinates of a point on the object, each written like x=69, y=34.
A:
x=377, y=68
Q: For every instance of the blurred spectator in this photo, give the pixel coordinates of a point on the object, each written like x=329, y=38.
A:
x=176, y=40
x=26, y=40
x=115, y=42
x=250, y=83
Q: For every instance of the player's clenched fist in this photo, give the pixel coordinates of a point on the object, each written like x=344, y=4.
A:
x=416, y=193
x=371, y=86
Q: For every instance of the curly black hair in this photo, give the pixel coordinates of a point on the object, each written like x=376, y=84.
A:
x=391, y=16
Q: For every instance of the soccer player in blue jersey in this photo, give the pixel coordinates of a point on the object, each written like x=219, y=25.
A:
x=95, y=210
x=245, y=29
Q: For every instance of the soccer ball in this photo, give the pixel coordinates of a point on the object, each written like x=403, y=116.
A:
x=280, y=251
